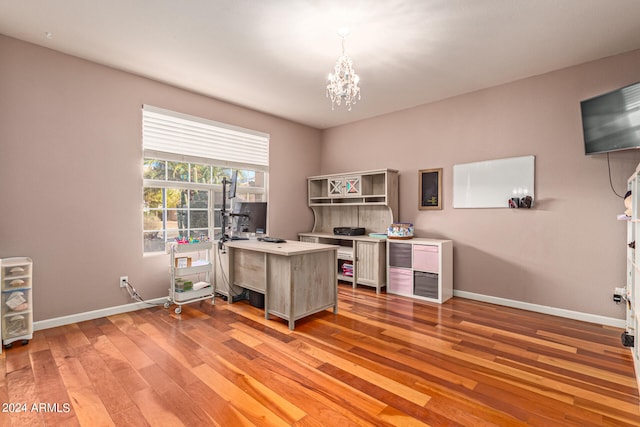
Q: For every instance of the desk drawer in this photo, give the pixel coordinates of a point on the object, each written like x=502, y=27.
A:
x=425, y=258
x=400, y=281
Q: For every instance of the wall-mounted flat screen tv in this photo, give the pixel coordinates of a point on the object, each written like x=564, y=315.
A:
x=611, y=122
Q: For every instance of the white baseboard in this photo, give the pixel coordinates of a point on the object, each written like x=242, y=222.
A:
x=576, y=315
x=95, y=314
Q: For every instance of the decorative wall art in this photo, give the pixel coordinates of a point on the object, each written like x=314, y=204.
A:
x=430, y=189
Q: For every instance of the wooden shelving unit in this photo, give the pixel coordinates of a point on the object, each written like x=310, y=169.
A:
x=367, y=199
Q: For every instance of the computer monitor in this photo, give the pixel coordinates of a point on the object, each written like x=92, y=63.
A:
x=234, y=184
x=249, y=217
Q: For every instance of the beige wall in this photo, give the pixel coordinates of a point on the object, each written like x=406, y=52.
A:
x=569, y=251
x=70, y=130
x=70, y=174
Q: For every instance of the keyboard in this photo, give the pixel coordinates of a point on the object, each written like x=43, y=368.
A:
x=271, y=239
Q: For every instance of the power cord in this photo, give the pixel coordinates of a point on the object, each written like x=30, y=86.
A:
x=224, y=276
x=136, y=296
x=133, y=293
x=610, y=181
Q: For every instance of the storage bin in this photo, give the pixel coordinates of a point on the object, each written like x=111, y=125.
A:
x=399, y=255
x=425, y=258
x=400, y=281
x=400, y=230
x=425, y=284
x=10, y=284
x=16, y=325
x=16, y=301
x=17, y=269
x=183, y=285
x=256, y=299
x=193, y=294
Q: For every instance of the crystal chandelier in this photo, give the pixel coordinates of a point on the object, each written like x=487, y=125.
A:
x=343, y=82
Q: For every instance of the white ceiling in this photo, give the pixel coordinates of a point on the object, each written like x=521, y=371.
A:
x=274, y=55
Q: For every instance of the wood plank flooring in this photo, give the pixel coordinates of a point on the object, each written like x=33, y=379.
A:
x=383, y=360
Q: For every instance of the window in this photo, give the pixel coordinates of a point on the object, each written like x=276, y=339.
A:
x=182, y=194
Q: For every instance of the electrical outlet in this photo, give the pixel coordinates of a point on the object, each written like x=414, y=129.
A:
x=123, y=281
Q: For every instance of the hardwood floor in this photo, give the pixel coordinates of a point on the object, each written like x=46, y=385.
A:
x=382, y=360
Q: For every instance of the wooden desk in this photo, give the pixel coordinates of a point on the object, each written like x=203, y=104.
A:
x=296, y=278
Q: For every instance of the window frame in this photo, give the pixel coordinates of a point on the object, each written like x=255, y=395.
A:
x=170, y=136
x=213, y=230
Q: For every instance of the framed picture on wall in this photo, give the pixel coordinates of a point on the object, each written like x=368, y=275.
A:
x=430, y=189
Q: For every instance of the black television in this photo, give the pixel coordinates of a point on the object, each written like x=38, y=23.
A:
x=611, y=122
x=250, y=217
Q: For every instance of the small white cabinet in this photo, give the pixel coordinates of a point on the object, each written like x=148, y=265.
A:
x=420, y=268
x=17, y=305
x=190, y=267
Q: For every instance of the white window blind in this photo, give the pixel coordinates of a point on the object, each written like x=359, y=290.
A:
x=176, y=136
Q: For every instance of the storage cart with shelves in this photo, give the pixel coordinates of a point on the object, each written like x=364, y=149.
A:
x=190, y=275
x=17, y=309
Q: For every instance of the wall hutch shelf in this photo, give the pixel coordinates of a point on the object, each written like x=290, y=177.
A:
x=367, y=199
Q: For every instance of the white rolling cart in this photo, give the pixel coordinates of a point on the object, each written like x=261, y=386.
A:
x=17, y=309
x=190, y=266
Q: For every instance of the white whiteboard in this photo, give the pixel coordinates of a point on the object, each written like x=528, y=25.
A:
x=491, y=183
